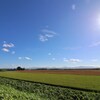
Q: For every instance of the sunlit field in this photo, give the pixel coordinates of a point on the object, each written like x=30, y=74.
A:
x=80, y=81
x=9, y=93
x=36, y=85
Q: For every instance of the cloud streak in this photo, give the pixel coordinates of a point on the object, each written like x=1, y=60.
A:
x=13, y=52
x=49, y=54
x=26, y=58
x=6, y=47
x=43, y=38
x=48, y=31
x=5, y=50
x=72, y=60
x=73, y=6
x=72, y=48
x=10, y=45
x=95, y=44
x=19, y=58
x=94, y=60
x=46, y=35
x=53, y=59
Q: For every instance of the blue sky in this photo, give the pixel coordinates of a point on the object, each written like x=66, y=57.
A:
x=49, y=33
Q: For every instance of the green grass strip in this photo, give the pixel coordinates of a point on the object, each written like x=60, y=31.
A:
x=77, y=81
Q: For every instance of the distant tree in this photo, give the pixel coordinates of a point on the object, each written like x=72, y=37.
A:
x=19, y=68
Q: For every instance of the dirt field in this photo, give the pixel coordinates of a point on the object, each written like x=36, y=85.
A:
x=75, y=72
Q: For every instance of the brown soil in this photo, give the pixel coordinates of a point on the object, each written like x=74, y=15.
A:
x=75, y=72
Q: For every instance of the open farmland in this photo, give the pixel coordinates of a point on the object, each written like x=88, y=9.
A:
x=73, y=72
x=91, y=82
x=12, y=89
x=49, y=85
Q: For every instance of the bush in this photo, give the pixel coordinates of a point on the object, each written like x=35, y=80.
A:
x=19, y=68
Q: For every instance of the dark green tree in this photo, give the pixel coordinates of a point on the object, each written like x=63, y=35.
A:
x=19, y=68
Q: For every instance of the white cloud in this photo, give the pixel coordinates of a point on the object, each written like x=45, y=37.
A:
x=72, y=48
x=73, y=6
x=53, y=58
x=27, y=58
x=8, y=45
x=95, y=44
x=94, y=60
x=46, y=35
x=19, y=58
x=4, y=42
x=46, y=31
x=13, y=52
x=49, y=54
x=5, y=50
x=49, y=35
x=72, y=60
x=43, y=38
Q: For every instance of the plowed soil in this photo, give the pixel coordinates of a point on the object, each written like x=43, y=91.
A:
x=74, y=72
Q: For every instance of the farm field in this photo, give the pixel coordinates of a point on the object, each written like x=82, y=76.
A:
x=91, y=82
x=12, y=89
x=9, y=93
x=75, y=72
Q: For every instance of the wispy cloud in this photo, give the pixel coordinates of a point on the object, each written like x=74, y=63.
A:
x=13, y=52
x=72, y=48
x=73, y=6
x=95, y=44
x=8, y=45
x=26, y=58
x=46, y=31
x=72, y=60
x=49, y=54
x=53, y=59
x=19, y=58
x=43, y=38
x=46, y=35
x=94, y=60
x=5, y=50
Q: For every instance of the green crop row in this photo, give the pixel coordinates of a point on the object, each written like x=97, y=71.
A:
x=50, y=92
x=9, y=93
